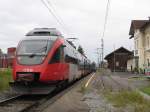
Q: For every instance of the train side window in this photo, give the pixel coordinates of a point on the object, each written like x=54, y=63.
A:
x=58, y=56
x=69, y=59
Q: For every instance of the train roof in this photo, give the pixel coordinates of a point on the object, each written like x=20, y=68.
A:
x=44, y=32
x=73, y=52
x=40, y=38
x=53, y=34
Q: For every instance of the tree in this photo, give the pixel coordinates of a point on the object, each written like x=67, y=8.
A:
x=80, y=49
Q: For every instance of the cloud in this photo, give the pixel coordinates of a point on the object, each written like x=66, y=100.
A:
x=84, y=20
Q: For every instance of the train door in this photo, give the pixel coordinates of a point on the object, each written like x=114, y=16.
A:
x=57, y=66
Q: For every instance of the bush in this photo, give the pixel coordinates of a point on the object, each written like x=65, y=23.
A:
x=5, y=78
x=136, y=70
x=141, y=70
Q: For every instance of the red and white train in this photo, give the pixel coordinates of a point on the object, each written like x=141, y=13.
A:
x=44, y=60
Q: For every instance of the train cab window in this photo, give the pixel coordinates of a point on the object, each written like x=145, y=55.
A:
x=58, y=56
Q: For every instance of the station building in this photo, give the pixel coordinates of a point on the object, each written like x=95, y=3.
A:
x=118, y=59
x=140, y=33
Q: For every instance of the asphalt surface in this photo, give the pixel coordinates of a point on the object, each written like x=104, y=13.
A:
x=72, y=101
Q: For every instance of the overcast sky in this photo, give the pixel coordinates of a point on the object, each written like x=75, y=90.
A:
x=84, y=20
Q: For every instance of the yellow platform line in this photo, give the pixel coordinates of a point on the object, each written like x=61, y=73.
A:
x=86, y=85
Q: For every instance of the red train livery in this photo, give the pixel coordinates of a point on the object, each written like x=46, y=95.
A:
x=45, y=59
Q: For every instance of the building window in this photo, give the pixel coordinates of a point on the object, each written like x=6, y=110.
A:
x=148, y=41
x=137, y=44
x=148, y=64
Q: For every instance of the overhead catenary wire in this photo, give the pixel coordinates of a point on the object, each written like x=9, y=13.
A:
x=54, y=15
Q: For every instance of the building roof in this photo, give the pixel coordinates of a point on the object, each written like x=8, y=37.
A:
x=118, y=50
x=136, y=24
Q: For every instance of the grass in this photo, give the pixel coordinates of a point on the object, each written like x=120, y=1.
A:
x=5, y=78
x=138, y=78
x=128, y=98
x=82, y=89
x=100, y=70
x=146, y=90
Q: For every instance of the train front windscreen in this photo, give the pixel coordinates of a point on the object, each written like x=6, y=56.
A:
x=32, y=52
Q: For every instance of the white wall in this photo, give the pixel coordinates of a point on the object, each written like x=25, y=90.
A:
x=130, y=63
x=139, y=47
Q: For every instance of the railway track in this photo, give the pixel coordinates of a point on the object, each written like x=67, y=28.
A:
x=19, y=103
x=3, y=102
x=34, y=103
x=109, y=82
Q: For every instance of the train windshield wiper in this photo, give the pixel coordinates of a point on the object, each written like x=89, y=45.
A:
x=41, y=49
x=32, y=55
x=37, y=52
